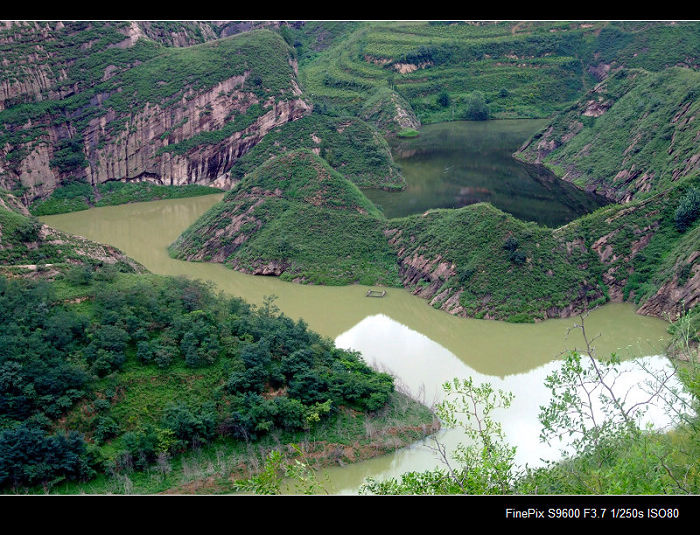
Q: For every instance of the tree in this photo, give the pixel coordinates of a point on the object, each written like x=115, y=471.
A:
x=280, y=469
x=608, y=449
x=483, y=465
x=688, y=210
x=29, y=456
x=443, y=99
x=476, y=108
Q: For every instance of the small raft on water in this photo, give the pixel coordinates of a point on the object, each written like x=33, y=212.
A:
x=376, y=293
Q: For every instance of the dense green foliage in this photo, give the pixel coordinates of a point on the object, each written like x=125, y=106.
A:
x=297, y=217
x=109, y=368
x=476, y=108
x=524, y=69
x=507, y=269
x=78, y=195
x=633, y=135
x=30, y=456
x=688, y=210
x=349, y=145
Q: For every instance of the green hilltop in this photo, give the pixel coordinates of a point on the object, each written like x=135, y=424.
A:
x=294, y=216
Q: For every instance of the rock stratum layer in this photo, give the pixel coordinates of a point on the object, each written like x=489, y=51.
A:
x=28, y=248
x=480, y=262
x=167, y=115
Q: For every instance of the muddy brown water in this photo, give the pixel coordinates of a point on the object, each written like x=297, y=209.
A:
x=401, y=333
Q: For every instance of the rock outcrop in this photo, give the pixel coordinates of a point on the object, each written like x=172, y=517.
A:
x=127, y=128
x=390, y=112
x=675, y=297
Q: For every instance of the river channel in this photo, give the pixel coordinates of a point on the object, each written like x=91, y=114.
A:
x=421, y=346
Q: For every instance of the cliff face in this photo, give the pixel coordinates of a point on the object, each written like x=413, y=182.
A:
x=184, y=116
x=31, y=74
x=42, y=60
x=676, y=296
x=137, y=152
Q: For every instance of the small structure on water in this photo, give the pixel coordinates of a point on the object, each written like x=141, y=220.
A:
x=376, y=293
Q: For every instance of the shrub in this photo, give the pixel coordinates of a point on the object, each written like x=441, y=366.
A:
x=688, y=210
x=476, y=109
x=189, y=428
x=79, y=276
x=29, y=456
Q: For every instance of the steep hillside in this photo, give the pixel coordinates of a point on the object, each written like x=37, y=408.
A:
x=478, y=261
x=348, y=144
x=296, y=217
x=29, y=248
x=54, y=59
x=635, y=133
x=522, y=69
x=389, y=112
x=181, y=116
x=127, y=374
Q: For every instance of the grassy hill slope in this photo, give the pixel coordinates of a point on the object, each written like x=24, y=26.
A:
x=296, y=217
x=633, y=134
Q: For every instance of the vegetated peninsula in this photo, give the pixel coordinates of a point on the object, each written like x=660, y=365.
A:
x=294, y=216
x=109, y=370
x=132, y=381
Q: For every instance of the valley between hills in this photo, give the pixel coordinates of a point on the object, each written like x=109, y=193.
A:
x=116, y=377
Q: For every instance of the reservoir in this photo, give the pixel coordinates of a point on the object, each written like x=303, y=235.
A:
x=450, y=165
x=401, y=333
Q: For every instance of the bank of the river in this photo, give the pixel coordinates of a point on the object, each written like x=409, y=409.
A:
x=144, y=231
x=76, y=196
x=224, y=465
x=297, y=219
x=421, y=346
x=455, y=164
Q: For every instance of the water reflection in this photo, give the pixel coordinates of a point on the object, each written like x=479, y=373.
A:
x=423, y=365
x=455, y=164
x=422, y=346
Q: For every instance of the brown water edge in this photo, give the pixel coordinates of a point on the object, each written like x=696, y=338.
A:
x=400, y=333
x=144, y=231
